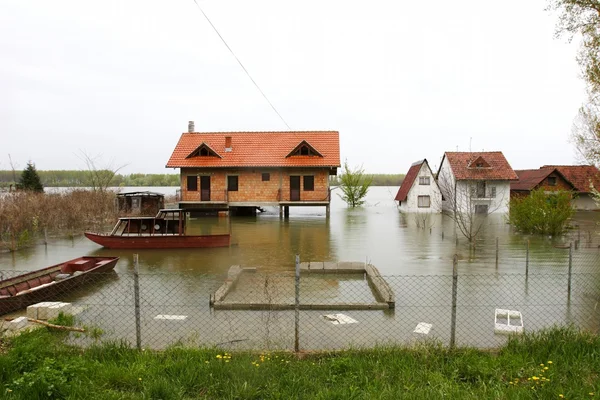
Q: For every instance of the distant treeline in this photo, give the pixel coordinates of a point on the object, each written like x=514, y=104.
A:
x=82, y=179
x=378, y=179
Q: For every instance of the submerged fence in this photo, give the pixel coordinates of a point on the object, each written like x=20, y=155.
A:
x=302, y=310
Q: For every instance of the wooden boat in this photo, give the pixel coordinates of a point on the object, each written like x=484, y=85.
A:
x=165, y=231
x=44, y=284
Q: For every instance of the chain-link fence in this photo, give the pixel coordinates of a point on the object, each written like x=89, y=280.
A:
x=340, y=307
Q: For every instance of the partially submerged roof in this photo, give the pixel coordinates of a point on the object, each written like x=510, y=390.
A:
x=580, y=176
x=258, y=149
x=483, y=165
x=410, y=178
x=530, y=178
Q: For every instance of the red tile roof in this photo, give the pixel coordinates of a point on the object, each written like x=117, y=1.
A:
x=499, y=168
x=257, y=149
x=580, y=176
x=408, y=181
x=530, y=178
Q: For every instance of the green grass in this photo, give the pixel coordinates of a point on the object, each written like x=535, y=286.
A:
x=38, y=365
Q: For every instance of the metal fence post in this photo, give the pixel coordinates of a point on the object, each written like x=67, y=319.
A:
x=497, y=252
x=297, y=307
x=454, y=290
x=570, y=269
x=136, y=294
x=527, y=260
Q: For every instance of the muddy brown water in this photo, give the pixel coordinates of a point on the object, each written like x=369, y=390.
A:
x=415, y=255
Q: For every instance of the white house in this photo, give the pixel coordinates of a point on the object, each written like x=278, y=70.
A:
x=475, y=182
x=420, y=192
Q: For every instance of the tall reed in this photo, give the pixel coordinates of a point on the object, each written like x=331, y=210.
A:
x=24, y=216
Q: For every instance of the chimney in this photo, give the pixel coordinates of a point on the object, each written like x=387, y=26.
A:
x=191, y=127
x=227, y=143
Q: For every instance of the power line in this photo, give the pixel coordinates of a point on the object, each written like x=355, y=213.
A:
x=241, y=65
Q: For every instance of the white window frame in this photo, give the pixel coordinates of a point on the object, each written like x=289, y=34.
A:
x=419, y=201
x=424, y=180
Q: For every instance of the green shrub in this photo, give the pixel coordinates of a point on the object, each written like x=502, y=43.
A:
x=541, y=212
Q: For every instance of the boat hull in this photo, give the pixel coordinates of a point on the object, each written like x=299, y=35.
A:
x=13, y=293
x=159, y=241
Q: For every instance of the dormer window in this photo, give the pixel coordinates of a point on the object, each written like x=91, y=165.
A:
x=203, y=150
x=479, y=162
x=304, y=149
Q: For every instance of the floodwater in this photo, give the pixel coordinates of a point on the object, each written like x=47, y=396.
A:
x=415, y=254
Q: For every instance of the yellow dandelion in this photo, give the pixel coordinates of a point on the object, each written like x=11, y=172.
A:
x=591, y=393
x=206, y=362
x=226, y=360
x=561, y=396
x=545, y=368
x=139, y=379
x=541, y=365
x=535, y=378
x=549, y=362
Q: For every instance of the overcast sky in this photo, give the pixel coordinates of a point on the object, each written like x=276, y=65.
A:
x=400, y=80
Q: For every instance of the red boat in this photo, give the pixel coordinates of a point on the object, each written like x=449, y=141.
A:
x=44, y=284
x=165, y=231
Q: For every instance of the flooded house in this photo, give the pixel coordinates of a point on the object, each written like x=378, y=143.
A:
x=578, y=179
x=475, y=182
x=419, y=192
x=242, y=172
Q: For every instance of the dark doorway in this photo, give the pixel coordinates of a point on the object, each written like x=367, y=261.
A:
x=294, y=188
x=205, y=188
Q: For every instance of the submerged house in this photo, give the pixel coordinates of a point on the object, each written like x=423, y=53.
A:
x=549, y=179
x=583, y=178
x=419, y=191
x=244, y=171
x=475, y=182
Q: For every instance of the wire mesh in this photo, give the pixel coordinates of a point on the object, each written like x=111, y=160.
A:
x=336, y=310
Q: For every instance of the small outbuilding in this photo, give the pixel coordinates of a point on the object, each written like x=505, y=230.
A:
x=419, y=192
x=140, y=203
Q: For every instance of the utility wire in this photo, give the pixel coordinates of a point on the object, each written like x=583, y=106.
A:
x=242, y=65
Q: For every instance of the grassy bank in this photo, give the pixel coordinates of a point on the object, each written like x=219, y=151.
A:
x=26, y=216
x=544, y=366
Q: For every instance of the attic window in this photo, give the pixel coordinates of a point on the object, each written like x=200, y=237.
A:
x=304, y=149
x=203, y=150
x=479, y=162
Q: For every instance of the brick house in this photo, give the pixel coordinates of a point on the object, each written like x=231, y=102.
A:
x=475, y=182
x=583, y=177
x=241, y=171
x=419, y=192
x=550, y=179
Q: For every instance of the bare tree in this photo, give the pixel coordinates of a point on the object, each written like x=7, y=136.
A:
x=462, y=203
x=99, y=178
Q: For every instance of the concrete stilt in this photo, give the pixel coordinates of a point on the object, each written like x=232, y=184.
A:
x=327, y=210
x=286, y=211
x=280, y=211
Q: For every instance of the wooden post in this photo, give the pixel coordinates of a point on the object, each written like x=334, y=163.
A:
x=442, y=235
x=297, y=307
x=527, y=260
x=46, y=236
x=570, y=269
x=454, y=292
x=136, y=293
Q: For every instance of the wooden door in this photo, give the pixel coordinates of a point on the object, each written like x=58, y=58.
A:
x=205, y=188
x=294, y=188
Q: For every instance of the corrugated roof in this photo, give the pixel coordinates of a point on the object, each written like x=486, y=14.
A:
x=580, y=176
x=461, y=164
x=257, y=149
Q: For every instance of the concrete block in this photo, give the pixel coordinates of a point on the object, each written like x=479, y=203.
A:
x=54, y=310
x=304, y=266
x=316, y=266
x=33, y=311
x=508, y=321
x=16, y=324
x=328, y=265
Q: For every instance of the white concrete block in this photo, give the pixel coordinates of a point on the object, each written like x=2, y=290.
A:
x=171, y=317
x=53, y=310
x=17, y=323
x=423, y=327
x=43, y=310
x=34, y=309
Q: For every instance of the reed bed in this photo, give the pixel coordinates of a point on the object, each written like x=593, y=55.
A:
x=26, y=217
